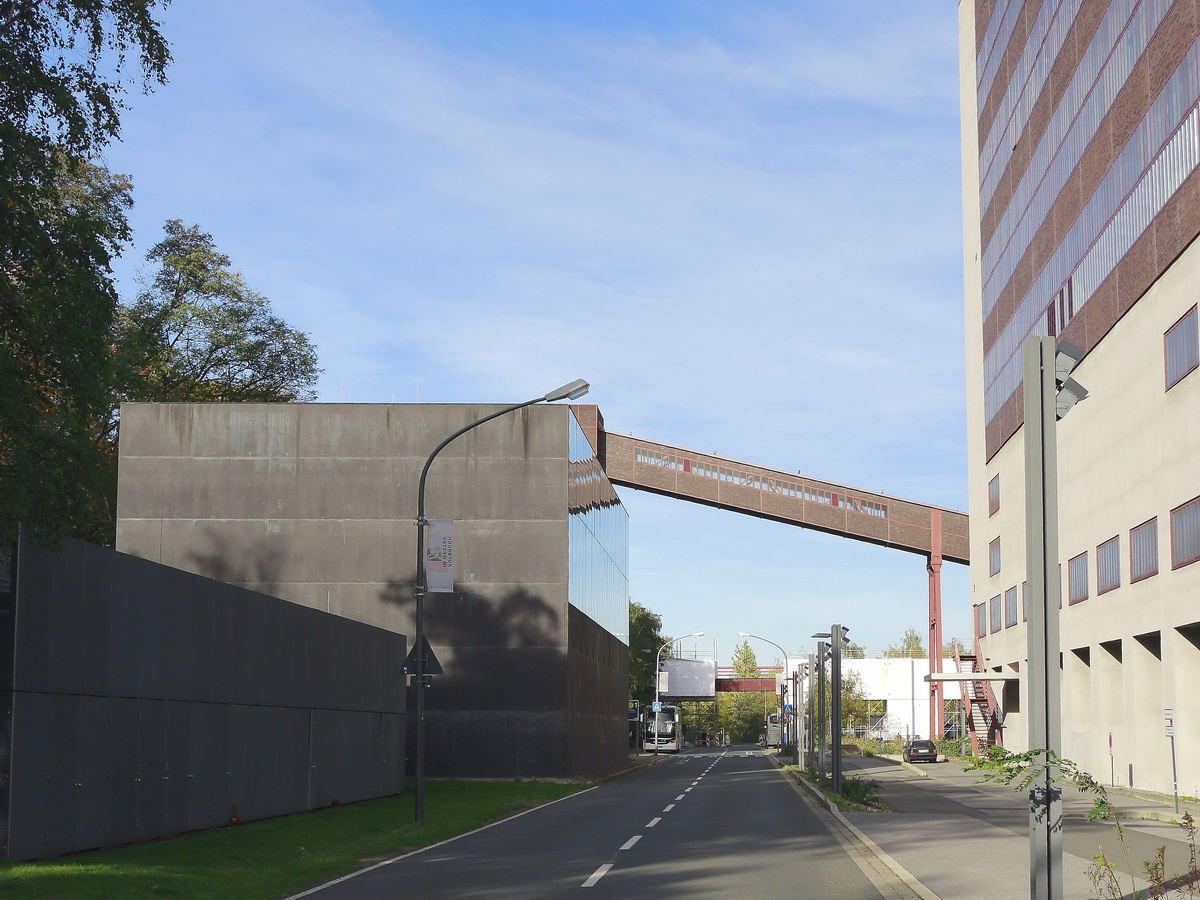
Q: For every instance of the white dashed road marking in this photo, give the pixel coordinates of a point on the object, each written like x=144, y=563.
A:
x=597, y=875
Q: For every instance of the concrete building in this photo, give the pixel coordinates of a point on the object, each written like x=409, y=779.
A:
x=898, y=696
x=1081, y=206
x=315, y=503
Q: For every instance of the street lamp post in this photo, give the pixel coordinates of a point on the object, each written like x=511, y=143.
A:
x=658, y=679
x=746, y=634
x=572, y=391
x=1050, y=393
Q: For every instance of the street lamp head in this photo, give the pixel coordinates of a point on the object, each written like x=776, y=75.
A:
x=743, y=634
x=572, y=391
x=696, y=634
x=1066, y=358
x=1070, y=394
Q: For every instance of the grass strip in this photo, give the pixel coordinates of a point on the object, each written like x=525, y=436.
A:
x=276, y=857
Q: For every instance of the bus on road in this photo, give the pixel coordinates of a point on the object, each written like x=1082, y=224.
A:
x=662, y=731
x=778, y=727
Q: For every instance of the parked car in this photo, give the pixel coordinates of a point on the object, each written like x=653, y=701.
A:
x=920, y=751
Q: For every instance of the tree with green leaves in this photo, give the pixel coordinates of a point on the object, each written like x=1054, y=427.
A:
x=854, y=651
x=198, y=332
x=855, y=707
x=911, y=645
x=63, y=64
x=55, y=364
x=954, y=647
x=645, y=637
x=740, y=714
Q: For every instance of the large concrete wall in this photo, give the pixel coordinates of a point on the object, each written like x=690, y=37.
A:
x=138, y=701
x=315, y=503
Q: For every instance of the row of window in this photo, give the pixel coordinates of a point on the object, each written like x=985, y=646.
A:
x=1001, y=611
x=1103, y=71
x=1133, y=191
x=1024, y=87
x=761, y=482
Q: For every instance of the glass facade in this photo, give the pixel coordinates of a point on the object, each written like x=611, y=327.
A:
x=597, y=540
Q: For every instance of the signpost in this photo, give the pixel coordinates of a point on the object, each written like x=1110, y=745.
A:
x=1169, y=715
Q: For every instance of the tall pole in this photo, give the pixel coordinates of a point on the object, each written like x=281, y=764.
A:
x=1043, y=600
x=658, y=679
x=811, y=729
x=937, y=721
x=798, y=711
x=786, y=666
x=835, y=696
x=572, y=391
x=822, y=650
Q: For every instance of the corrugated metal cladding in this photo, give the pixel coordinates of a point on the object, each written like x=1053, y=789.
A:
x=148, y=702
x=1089, y=159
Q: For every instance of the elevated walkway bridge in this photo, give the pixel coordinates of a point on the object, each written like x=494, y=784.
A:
x=934, y=532
x=787, y=497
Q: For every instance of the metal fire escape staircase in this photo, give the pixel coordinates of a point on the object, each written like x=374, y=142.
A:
x=984, y=722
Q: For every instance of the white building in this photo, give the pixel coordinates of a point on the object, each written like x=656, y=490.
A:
x=1081, y=144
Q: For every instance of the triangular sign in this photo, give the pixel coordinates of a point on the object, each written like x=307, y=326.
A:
x=432, y=666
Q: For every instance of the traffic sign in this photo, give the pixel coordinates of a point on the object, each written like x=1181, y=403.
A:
x=432, y=666
x=656, y=707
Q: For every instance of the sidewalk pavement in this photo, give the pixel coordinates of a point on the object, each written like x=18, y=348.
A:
x=964, y=838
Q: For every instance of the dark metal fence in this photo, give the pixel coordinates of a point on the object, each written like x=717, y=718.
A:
x=139, y=701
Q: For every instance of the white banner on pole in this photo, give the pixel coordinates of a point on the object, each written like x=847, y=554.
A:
x=439, y=556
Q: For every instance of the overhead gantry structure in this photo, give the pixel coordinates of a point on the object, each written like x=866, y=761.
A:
x=934, y=532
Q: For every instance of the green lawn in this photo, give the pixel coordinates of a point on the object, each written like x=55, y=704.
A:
x=279, y=856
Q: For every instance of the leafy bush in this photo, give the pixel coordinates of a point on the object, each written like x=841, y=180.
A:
x=864, y=791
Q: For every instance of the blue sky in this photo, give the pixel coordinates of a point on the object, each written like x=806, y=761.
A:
x=739, y=222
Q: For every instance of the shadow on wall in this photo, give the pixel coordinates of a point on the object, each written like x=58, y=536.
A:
x=500, y=709
x=257, y=565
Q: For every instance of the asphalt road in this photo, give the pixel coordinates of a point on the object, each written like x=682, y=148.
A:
x=706, y=823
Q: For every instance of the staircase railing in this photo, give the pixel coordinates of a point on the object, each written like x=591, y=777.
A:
x=983, y=718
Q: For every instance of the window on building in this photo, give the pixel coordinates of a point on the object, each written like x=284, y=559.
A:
x=1024, y=602
x=994, y=606
x=1185, y=534
x=994, y=496
x=994, y=557
x=1010, y=607
x=1108, y=565
x=981, y=620
x=1077, y=578
x=1181, y=347
x=1143, y=550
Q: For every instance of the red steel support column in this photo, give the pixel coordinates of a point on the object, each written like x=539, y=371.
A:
x=934, y=568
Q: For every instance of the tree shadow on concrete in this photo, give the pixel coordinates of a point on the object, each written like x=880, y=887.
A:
x=257, y=566
x=500, y=708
